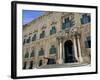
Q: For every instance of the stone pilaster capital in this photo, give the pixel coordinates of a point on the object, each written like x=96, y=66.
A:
x=60, y=38
x=78, y=36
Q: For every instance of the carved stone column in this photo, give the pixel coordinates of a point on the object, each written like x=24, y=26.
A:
x=79, y=49
x=60, y=50
x=46, y=56
x=29, y=51
x=75, y=48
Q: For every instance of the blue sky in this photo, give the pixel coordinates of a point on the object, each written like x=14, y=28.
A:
x=29, y=15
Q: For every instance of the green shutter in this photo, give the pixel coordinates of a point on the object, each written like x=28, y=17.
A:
x=29, y=39
x=41, y=52
x=34, y=38
x=42, y=35
x=32, y=54
x=50, y=32
x=53, y=30
x=27, y=55
x=52, y=50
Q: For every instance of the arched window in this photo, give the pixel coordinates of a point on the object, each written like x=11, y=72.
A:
x=32, y=53
x=67, y=23
x=53, y=49
x=53, y=30
x=27, y=55
x=85, y=19
x=41, y=52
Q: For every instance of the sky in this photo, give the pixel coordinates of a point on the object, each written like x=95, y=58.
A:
x=29, y=15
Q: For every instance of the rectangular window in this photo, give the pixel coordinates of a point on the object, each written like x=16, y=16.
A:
x=34, y=37
x=24, y=41
x=31, y=65
x=42, y=35
x=67, y=23
x=88, y=42
x=53, y=30
x=41, y=52
x=25, y=64
x=32, y=53
x=85, y=19
x=26, y=55
x=29, y=39
x=51, y=61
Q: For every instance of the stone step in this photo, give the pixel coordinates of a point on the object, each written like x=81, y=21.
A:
x=64, y=65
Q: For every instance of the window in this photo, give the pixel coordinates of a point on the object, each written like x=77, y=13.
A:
x=40, y=62
x=52, y=49
x=24, y=41
x=51, y=61
x=88, y=42
x=41, y=52
x=32, y=53
x=34, y=37
x=42, y=35
x=53, y=30
x=67, y=23
x=85, y=19
x=31, y=65
x=29, y=39
x=25, y=64
x=26, y=55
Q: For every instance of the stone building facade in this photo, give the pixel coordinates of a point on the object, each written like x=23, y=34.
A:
x=57, y=38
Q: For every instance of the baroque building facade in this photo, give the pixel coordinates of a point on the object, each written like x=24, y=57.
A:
x=57, y=38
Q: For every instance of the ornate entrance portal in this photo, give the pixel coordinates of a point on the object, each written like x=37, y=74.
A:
x=69, y=52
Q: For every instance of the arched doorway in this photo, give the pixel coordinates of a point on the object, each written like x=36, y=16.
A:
x=69, y=53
